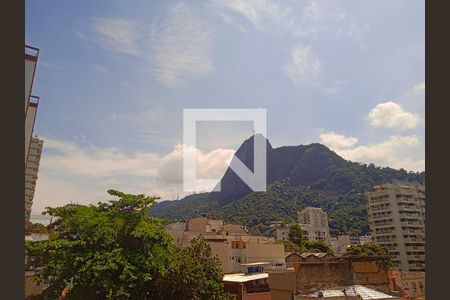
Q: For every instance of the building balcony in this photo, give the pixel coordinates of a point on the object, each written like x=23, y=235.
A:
x=383, y=224
x=385, y=233
x=416, y=266
x=381, y=241
x=414, y=240
x=415, y=248
x=382, y=217
x=412, y=231
x=415, y=211
x=410, y=223
x=417, y=257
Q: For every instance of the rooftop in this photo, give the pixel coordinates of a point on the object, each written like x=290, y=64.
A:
x=241, y=277
x=354, y=290
x=256, y=264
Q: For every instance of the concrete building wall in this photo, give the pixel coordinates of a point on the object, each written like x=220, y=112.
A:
x=396, y=221
x=257, y=252
x=311, y=277
x=342, y=271
x=282, y=233
x=258, y=296
x=31, y=173
x=409, y=283
x=196, y=224
x=282, y=285
x=222, y=250
x=30, y=68
x=29, y=127
x=33, y=288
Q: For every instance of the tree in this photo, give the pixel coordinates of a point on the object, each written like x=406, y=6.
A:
x=316, y=247
x=369, y=249
x=116, y=250
x=289, y=246
x=295, y=234
x=35, y=228
x=196, y=273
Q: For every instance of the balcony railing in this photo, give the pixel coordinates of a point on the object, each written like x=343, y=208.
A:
x=31, y=53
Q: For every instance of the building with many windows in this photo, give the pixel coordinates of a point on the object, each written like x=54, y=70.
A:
x=33, y=145
x=314, y=222
x=31, y=173
x=231, y=243
x=396, y=219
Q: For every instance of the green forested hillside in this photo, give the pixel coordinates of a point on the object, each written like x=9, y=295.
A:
x=298, y=176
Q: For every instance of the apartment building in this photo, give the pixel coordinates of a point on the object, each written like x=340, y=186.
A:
x=314, y=222
x=281, y=230
x=31, y=173
x=33, y=146
x=231, y=243
x=396, y=219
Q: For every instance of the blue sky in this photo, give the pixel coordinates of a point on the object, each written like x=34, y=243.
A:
x=114, y=77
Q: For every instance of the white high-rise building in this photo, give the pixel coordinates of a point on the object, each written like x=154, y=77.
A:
x=314, y=222
x=396, y=218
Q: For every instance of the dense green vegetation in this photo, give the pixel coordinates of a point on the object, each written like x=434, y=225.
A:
x=298, y=176
x=367, y=250
x=316, y=247
x=116, y=250
x=295, y=234
x=295, y=242
x=35, y=228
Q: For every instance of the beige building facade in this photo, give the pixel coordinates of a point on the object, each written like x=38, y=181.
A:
x=409, y=284
x=33, y=145
x=231, y=243
x=31, y=173
x=396, y=214
x=314, y=222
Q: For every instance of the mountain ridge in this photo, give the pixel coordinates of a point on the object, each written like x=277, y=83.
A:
x=297, y=176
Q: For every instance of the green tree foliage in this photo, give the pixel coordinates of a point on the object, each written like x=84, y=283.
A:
x=367, y=250
x=298, y=176
x=195, y=274
x=289, y=246
x=116, y=250
x=35, y=228
x=316, y=247
x=295, y=234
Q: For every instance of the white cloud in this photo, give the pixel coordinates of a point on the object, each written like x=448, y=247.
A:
x=211, y=165
x=258, y=12
x=175, y=47
x=304, y=67
x=419, y=88
x=95, y=162
x=392, y=115
x=52, y=192
x=337, y=141
x=100, y=70
x=396, y=151
x=69, y=172
x=181, y=46
x=414, y=97
x=311, y=19
x=117, y=35
x=319, y=20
